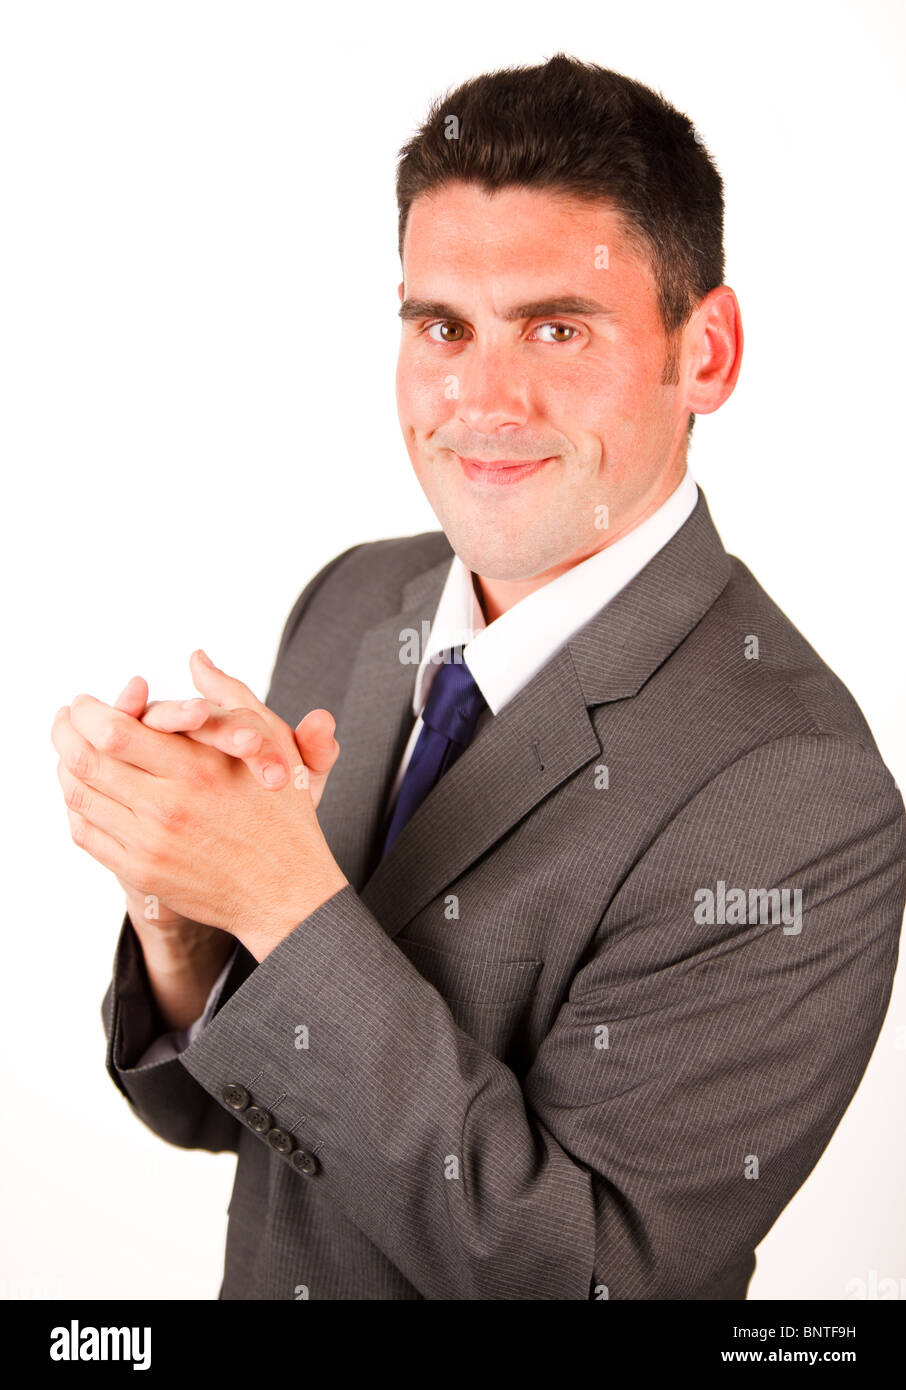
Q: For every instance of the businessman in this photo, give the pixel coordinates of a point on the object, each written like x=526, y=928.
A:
x=549, y=969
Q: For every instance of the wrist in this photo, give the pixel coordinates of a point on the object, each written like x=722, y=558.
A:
x=269, y=928
x=181, y=946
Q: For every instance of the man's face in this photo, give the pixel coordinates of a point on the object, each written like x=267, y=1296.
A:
x=505, y=359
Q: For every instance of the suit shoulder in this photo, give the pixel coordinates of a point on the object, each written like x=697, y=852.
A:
x=766, y=664
x=745, y=676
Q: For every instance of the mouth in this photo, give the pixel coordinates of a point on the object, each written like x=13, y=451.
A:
x=501, y=471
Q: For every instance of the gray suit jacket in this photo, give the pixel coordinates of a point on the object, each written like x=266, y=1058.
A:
x=520, y=1058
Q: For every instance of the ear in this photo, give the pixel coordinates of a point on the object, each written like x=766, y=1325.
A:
x=713, y=354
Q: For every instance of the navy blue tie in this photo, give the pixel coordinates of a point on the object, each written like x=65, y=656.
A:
x=451, y=712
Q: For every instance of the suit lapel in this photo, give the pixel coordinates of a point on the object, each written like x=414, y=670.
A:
x=540, y=738
x=373, y=727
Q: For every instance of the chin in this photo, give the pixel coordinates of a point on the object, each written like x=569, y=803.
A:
x=499, y=562
x=510, y=556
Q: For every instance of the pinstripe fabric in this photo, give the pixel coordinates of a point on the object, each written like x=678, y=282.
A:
x=534, y=1070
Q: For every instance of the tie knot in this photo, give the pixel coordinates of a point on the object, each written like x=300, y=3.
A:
x=454, y=701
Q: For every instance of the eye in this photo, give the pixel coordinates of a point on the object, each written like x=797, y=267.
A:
x=450, y=332
x=557, y=328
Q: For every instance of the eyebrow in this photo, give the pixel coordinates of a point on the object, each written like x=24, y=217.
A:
x=538, y=308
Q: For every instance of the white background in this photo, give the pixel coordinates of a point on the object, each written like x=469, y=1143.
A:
x=198, y=330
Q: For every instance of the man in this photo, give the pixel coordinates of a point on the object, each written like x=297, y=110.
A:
x=557, y=981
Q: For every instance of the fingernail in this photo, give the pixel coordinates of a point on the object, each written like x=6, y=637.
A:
x=204, y=658
x=273, y=774
x=191, y=705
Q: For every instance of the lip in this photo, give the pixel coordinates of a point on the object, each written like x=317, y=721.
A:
x=503, y=472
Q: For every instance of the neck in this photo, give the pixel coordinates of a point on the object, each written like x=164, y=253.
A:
x=496, y=596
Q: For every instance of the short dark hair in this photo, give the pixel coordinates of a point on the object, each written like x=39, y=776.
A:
x=583, y=130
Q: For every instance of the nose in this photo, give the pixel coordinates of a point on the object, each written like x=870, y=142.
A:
x=493, y=392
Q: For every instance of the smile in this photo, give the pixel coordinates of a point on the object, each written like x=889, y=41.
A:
x=501, y=471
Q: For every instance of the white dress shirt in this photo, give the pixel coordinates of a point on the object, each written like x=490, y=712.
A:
x=504, y=655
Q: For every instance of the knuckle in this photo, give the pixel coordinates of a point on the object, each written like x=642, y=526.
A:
x=199, y=774
x=78, y=829
x=113, y=737
x=76, y=798
x=82, y=763
x=168, y=813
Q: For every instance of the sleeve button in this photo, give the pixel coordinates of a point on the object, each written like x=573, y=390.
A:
x=257, y=1119
x=304, y=1162
x=236, y=1097
x=280, y=1140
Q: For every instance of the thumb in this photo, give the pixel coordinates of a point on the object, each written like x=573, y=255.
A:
x=319, y=750
x=316, y=743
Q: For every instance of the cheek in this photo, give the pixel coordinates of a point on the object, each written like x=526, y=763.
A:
x=425, y=389
x=578, y=397
x=571, y=384
x=610, y=395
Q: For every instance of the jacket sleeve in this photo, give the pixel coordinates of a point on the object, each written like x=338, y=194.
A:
x=688, y=1085
x=163, y=1095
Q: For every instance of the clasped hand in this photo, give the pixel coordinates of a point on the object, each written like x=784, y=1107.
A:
x=207, y=807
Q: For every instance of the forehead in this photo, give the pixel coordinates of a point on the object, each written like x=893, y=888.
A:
x=460, y=232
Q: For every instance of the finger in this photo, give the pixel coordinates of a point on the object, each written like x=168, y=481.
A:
x=101, y=846
x=99, y=810
x=177, y=716
x=314, y=736
x=133, y=697
x=220, y=688
x=127, y=740
x=126, y=784
x=244, y=734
